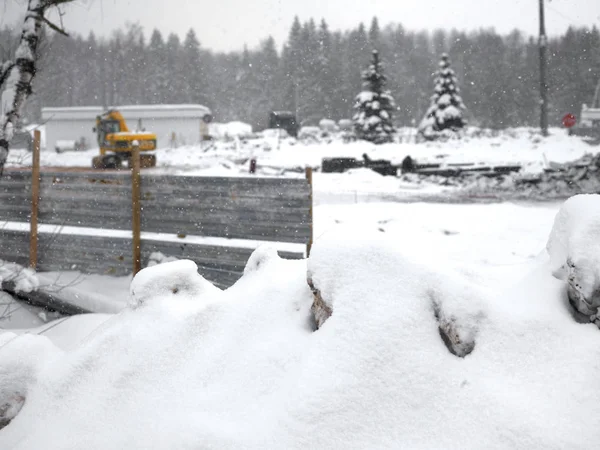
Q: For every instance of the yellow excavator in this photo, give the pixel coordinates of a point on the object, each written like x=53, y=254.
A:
x=116, y=142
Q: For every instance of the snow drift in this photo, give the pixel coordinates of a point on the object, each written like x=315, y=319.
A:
x=245, y=368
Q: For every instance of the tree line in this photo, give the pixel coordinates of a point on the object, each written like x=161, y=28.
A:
x=317, y=72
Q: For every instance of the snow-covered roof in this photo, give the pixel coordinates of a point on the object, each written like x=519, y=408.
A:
x=128, y=111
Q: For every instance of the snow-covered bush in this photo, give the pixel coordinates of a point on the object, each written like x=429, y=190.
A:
x=345, y=125
x=328, y=125
x=374, y=106
x=445, y=115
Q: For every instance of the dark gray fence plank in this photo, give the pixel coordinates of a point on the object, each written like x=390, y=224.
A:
x=246, y=208
x=14, y=246
x=273, y=209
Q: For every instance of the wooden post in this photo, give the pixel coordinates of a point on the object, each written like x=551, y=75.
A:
x=309, y=178
x=35, y=200
x=136, y=219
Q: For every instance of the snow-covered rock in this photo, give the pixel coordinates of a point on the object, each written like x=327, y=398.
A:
x=574, y=249
x=337, y=262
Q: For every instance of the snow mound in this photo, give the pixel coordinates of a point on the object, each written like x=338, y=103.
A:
x=260, y=257
x=22, y=357
x=231, y=130
x=168, y=281
x=341, y=270
x=308, y=132
x=574, y=249
x=576, y=226
x=248, y=371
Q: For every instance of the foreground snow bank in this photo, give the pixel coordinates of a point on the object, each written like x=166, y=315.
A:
x=244, y=368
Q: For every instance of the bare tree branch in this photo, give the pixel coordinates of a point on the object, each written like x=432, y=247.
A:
x=55, y=27
x=5, y=69
x=45, y=4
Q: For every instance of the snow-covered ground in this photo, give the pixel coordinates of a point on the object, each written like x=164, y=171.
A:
x=274, y=156
x=288, y=157
x=190, y=366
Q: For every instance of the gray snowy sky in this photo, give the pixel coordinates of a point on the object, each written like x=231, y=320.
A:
x=229, y=24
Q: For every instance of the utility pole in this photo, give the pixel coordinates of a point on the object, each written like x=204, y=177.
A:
x=543, y=44
x=297, y=100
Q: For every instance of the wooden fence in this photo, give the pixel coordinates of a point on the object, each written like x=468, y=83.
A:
x=86, y=220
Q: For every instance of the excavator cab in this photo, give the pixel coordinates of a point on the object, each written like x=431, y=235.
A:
x=116, y=143
x=106, y=127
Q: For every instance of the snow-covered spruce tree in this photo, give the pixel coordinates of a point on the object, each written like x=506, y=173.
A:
x=17, y=75
x=374, y=105
x=445, y=112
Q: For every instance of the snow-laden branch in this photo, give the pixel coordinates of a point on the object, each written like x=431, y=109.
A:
x=18, y=75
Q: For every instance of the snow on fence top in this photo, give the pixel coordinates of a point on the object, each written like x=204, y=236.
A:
x=128, y=111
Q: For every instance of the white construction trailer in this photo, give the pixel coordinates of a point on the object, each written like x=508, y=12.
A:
x=174, y=125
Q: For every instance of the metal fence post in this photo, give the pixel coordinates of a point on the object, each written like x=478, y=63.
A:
x=136, y=219
x=309, y=178
x=35, y=200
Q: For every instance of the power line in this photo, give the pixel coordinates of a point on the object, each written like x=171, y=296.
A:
x=564, y=16
x=543, y=42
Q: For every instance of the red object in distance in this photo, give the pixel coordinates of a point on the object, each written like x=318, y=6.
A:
x=569, y=120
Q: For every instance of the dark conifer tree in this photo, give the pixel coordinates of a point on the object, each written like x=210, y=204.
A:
x=374, y=105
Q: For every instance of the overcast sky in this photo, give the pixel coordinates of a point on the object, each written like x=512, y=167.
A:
x=229, y=24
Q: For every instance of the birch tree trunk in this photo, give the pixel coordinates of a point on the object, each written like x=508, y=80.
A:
x=17, y=75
